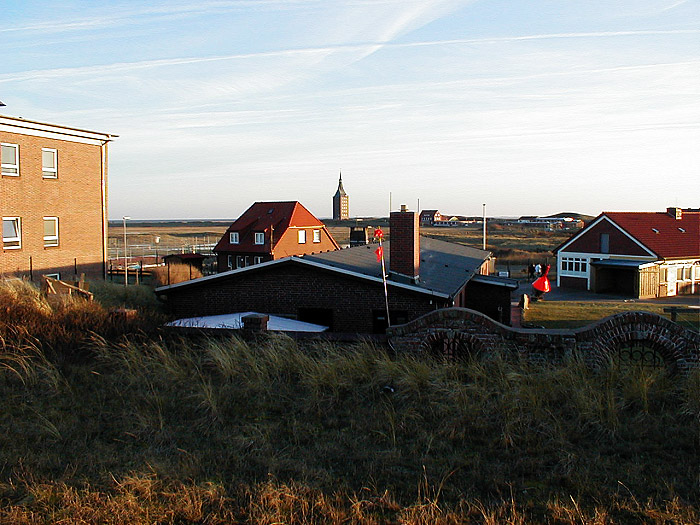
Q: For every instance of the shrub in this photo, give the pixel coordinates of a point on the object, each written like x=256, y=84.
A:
x=175, y=273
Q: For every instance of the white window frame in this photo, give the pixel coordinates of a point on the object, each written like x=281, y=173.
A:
x=301, y=236
x=259, y=237
x=574, y=266
x=56, y=276
x=257, y=259
x=7, y=165
x=8, y=243
x=49, y=173
x=234, y=237
x=51, y=240
x=229, y=262
x=317, y=236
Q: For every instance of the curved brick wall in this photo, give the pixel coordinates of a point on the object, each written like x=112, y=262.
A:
x=455, y=330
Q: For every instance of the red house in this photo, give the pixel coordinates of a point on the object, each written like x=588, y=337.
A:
x=272, y=230
x=637, y=254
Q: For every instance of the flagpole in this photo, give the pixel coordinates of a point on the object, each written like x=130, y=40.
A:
x=379, y=234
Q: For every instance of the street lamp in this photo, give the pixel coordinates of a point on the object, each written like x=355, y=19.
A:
x=157, y=240
x=126, y=262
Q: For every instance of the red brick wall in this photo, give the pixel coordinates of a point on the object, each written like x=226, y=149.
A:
x=405, y=243
x=620, y=244
x=289, y=243
x=75, y=197
x=286, y=289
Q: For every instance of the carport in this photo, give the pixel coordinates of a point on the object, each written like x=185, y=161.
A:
x=625, y=277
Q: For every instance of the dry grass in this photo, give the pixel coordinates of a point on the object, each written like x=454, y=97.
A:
x=175, y=273
x=163, y=430
x=572, y=314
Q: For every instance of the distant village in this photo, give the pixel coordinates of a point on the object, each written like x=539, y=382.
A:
x=277, y=259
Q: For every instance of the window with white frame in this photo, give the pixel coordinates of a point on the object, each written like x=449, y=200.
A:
x=259, y=238
x=9, y=157
x=11, y=233
x=229, y=261
x=574, y=266
x=301, y=234
x=234, y=238
x=257, y=259
x=50, y=231
x=49, y=163
x=317, y=235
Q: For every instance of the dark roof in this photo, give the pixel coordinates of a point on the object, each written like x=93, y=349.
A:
x=185, y=256
x=340, y=192
x=263, y=217
x=621, y=263
x=666, y=236
x=445, y=267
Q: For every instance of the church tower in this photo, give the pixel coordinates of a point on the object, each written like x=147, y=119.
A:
x=341, y=206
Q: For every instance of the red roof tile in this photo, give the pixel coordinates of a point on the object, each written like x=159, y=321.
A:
x=265, y=217
x=663, y=234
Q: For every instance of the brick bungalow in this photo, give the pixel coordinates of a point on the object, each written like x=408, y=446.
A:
x=268, y=231
x=344, y=289
x=637, y=254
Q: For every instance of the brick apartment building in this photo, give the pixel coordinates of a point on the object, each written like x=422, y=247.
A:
x=53, y=200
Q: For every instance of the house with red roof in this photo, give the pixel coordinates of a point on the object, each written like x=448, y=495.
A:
x=637, y=254
x=272, y=230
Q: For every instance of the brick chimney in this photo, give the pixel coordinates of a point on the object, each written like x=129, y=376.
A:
x=676, y=213
x=404, y=246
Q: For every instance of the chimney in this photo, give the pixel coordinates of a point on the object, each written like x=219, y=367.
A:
x=404, y=246
x=676, y=213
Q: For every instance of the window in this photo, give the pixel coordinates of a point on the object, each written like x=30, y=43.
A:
x=49, y=163
x=317, y=235
x=302, y=236
x=239, y=261
x=234, y=237
x=259, y=238
x=604, y=243
x=9, y=154
x=574, y=266
x=679, y=273
x=257, y=259
x=229, y=261
x=11, y=233
x=50, y=231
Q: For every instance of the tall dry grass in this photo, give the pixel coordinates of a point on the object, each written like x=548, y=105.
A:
x=159, y=429
x=175, y=273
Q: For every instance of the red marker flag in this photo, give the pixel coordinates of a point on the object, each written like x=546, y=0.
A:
x=378, y=233
x=379, y=251
x=542, y=284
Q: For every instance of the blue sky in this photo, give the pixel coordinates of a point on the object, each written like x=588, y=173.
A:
x=532, y=107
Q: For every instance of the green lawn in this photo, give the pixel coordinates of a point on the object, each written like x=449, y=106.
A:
x=571, y=314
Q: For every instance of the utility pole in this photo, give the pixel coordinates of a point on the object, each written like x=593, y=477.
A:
x=126, y=262
x=484, y=222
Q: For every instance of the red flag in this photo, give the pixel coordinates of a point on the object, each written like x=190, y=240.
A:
x=542, y=284
x=378, y=233
x=379, y=251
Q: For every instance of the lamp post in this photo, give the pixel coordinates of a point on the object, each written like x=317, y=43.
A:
x=157, y=239
x=126, y=262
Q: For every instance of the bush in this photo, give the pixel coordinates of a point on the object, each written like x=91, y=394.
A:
x=175, y=273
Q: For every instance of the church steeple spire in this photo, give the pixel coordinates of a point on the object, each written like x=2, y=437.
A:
x=341, y=207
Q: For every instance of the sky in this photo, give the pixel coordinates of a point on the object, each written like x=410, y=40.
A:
x=527, y=106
